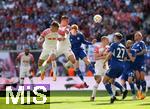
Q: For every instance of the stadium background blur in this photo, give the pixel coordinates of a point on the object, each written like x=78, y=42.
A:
x=22, y=21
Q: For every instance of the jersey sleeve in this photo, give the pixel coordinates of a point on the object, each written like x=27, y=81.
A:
x=85, y=41
x=133, y=52
x=45, y=32
x=19, y=56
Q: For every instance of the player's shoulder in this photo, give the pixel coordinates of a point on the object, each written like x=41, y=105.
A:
x=113, y=44
x=142, y=42
x=121, y=45
x=46, y=31
x=31, y=55
x=21, y=53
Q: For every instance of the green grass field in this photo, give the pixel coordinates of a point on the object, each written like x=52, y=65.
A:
x=80, y=100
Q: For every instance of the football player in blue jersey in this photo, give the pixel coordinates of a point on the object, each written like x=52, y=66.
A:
x=77, y=39
x=140, y=48
x=116, y=56
x=128, y=74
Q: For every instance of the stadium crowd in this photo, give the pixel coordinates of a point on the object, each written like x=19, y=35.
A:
x=21, y=21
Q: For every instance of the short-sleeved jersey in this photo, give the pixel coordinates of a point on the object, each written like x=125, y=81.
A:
x=118, y=52
x=77, y=40
x=101, y=50
x=63, y=32
x=25, y=60
x=49, y=37
x=139, y=46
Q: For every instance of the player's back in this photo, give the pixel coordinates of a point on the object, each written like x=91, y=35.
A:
x=118, y=53
x=50, y=38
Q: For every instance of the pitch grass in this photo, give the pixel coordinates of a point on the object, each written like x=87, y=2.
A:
x=80, y=100
x=3, y=104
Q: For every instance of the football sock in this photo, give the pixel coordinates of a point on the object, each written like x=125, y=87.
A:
x=138, y=84
x=132, y=88
x=143, y=84
x=79, y=73
x=91, y=68
x=108, y=88
x=95, y=89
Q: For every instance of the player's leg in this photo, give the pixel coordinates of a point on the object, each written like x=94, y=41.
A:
x=107, y=83
x=74, y=59
x=89, y=65
x=82, y=55
x=43, y=56
x=54, y=66
x=98, y=79
x=143, y=84
x=22, y=76
x=131, y=83
x=138, y=82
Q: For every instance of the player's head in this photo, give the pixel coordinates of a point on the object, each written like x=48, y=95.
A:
x=118, y=37
x=64, y=20
x=104, y=40
x=138, y=36
x=54, y=26
x=26, y=50
x=129, y=44
x=74, y=29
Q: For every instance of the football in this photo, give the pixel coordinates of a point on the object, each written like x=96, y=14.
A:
x=97, y=18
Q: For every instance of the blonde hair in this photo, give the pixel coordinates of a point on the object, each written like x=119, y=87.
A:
x=74, y=26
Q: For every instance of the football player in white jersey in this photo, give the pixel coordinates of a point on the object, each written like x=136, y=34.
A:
x=49, y=39
x=64, y=47
x=26, y=60
x=100, y=53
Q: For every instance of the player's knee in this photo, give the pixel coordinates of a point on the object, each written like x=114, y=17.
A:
x=98, y=79
x=72, y=59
